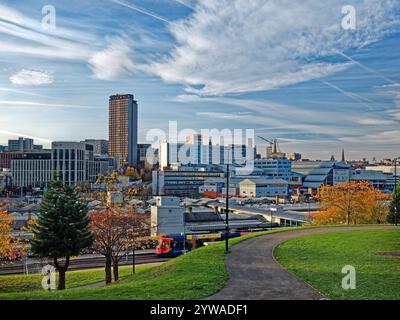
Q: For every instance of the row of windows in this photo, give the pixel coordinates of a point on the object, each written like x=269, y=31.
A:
x=31, y=173
x=31, y=165
x=267, y=192
x=68, y=154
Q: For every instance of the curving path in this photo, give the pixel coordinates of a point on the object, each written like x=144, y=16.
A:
x=254, y=274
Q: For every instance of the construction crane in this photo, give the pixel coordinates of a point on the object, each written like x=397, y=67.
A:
x=273, y=145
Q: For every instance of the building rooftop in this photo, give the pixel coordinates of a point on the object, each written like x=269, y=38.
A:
x=120, y=96
x=263, y=181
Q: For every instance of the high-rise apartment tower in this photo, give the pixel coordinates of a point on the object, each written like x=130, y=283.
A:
x=123, y=124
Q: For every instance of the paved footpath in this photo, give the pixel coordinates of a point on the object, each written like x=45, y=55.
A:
x=254, y=274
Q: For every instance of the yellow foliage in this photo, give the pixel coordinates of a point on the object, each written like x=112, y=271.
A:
x=9, y=249
x=351, y=203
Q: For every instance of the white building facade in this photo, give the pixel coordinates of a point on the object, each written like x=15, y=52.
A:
x=167, y=216
x=73, y=162
x=33, y=170
x=253, y=188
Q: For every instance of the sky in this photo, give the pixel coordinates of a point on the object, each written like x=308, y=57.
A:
x=287, y=69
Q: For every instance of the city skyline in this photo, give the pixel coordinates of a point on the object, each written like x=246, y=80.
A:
x=299, y=78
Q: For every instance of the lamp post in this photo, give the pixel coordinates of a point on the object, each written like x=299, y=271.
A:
x=227, y=211
x=395, y=190
x=271, y=219
x=227, y=203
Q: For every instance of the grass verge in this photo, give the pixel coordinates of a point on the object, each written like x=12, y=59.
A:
x=26, y=283
x=197, y=274
x=319, y=259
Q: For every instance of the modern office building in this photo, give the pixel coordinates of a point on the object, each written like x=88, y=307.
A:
x=99, y=146
x=275, y=168
x=196, y=152
x=32, y=170
x=123, y=124
x=146, y=155
x=387, y=169
x=168, y=154
x=183, y=182
x=378, y=179
x=195, y=142
x=104, y=164
x=73, y=162
x=294, y=156
x=6, y=157
x=20, y=145
x=263, y=188
x=318, y=173
x=38, y=147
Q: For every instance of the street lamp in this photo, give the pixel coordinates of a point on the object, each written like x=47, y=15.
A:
x=395, y=190
x=227, y=211
x=271, y=219
x=227, y=204
x=309, y=213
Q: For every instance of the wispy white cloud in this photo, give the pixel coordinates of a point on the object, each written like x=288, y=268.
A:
x=350, y=95
x=392, y=91
x=384, y=138
x=330, y=125
x=237, y=46
x=108, y=59
x=32, y=104
x=228, y=116
x=115, y=60
x=8, y=90
x=139, y=9
x=367, y=68
x=28, y=77
x=375, y=121
x=24, y=35
x=19, y=134
x=187, y=3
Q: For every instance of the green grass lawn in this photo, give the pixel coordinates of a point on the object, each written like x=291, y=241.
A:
x=197, y=274
x=318, y=260
x=25, y=283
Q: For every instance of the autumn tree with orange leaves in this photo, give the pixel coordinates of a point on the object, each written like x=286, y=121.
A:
x=353, y=202
x=10, y=248
x=116, y=231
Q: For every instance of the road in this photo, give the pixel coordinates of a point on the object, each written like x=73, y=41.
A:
x=85, y=262
x=254, y=274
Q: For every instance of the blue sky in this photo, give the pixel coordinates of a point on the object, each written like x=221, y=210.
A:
x=287, y=69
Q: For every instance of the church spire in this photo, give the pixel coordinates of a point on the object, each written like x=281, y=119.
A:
x=343, y=157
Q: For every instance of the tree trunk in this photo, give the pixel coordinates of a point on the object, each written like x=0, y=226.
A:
x=115, y=270
x=61, y=272
x=108, y=270
x=61, y=280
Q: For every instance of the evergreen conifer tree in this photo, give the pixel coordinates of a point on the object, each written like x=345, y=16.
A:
x=62, y=230
x=395, y=200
